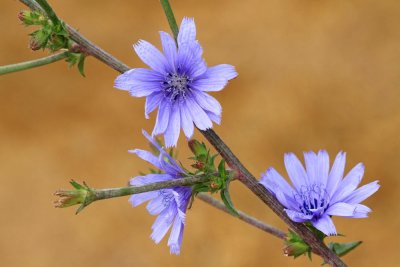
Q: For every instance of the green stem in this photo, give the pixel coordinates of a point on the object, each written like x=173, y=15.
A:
x=32, y=64
x=170, y=17
x=100, y=194
x=49, y=11
x=85, y=195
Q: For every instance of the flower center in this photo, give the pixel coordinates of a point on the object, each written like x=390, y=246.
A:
x=312, y=199
x=176, y=86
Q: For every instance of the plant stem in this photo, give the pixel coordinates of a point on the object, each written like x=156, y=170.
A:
x=101, y=194
x=32, y=64
x=85, y=195
x=88, y=195
x=244, y=175
x=170, y=17
x=94, y=50
x=243, y=216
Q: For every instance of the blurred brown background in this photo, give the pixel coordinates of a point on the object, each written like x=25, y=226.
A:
x=312, y=75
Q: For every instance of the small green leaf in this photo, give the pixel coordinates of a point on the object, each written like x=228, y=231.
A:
x=81, y=64
x=198, y=149
x=226, y=198
x=342, y=249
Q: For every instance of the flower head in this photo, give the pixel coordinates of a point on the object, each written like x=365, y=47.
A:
x=319, y=193
x=170, y=204
x=177, y=84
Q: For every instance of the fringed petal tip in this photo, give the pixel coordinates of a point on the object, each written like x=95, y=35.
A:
x=187, y=31
x=175, y=249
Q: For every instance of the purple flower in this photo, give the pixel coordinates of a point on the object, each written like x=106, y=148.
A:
x=177, y=84
x=319, y=193
x=169, y=204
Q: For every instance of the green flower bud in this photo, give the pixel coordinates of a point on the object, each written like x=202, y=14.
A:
x=296, y=249
x=31, y=18
x=39, y=39
x=198, y=149
x=71, y=197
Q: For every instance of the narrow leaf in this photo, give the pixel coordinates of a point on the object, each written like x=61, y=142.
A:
x=342, y=249
x=81, y=64
x=226, y=198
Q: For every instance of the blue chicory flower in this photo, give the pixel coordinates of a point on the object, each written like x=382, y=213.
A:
x=177, y=84
x=319, y=193
x=170, y=204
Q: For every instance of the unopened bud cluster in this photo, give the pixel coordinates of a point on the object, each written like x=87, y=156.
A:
x=53, y=36
x=219, y=176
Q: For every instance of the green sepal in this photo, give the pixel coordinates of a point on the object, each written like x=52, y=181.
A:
x=204, y=160
x=40, y=38
x=198, y=149
x=76, y=185
x=295, y=246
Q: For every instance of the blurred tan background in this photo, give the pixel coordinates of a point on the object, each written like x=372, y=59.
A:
x=312, y=75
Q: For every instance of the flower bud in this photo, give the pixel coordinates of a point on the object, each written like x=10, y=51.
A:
x=39, y=39
x=70, y=197
x=26, y=17
x=22, y=15
x=31, y=18
x=198, y=149
x=34, y=44
x=296, y=249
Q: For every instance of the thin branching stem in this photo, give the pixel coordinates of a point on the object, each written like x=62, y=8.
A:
x=243, y=216
x=33, y=63
x=85, y=195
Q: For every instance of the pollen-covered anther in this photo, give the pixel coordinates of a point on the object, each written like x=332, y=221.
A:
x=176, y=86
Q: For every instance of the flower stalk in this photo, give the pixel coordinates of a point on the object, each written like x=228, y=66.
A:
x=85, y=195
x=243, y=216
x=170, y=17
x=33, y=63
